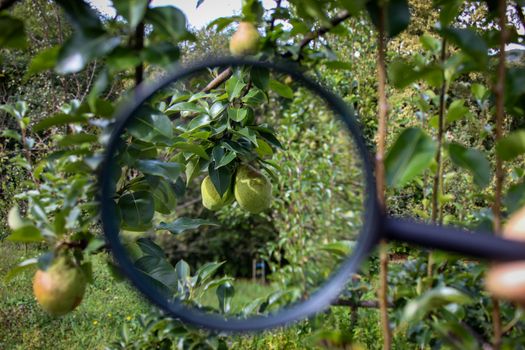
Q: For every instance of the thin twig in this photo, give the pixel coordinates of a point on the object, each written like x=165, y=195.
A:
x=499, y=91
x=437, y=187
x=340, y=17
x=380, y=178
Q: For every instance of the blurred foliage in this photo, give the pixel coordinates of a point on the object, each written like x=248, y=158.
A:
x=72, y=67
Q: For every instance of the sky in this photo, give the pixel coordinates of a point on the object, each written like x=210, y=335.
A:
x=197, y=17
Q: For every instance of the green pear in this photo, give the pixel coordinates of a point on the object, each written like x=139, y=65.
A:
x=60, y=288
x=245, y=41
x=253, y=190
x=210, y=197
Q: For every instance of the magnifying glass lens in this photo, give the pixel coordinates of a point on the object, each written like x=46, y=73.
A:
x=237, y=197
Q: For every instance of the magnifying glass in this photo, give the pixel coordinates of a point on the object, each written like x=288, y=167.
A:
x=230, y=206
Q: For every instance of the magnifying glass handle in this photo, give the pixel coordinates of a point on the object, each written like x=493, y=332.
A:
x=477, y=245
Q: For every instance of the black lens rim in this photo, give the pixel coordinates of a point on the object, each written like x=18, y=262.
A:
x=319, y=300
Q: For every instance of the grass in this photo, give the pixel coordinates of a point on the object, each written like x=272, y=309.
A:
x=23, y=325
x=245, y=292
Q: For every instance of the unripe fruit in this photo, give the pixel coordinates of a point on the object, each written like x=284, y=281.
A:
x=507, y=280
x=245, y=41
x=253, y=191
x=210, y=197
x=60, y=288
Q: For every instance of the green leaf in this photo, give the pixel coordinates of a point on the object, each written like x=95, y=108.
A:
x=159, y=269
x=511, y=146
x=192, y=148
x=281, y=89
x=402, y=73
x=165, y=197
x=470, y=42
x=132, y=10
x=255, y=97
x=26, y=234
x=515, y=198
x=409, y=156
x=338, y=65
x=221, y=178
x=183, y=270
x=472, y=160
x=237, y=114
x=184, y=224
x=260, y=77
x=44, y=60
x=226, y=159
x=166, y=170
x=449, y=10
x=150, y=125
x=169, y=23
x=225, y=293
x=417, y=309
x=206, y=271
x=249, y=134
x=234, y=87
x=12, y=33
x=148, y=247
x=456, y=111
x=21, y=267
x=222, y=22
x=58, y=120
x=340, y=248
x=136, y=209
x=397, y=15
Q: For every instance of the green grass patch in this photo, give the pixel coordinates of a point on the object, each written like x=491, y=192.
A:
x=23, y=325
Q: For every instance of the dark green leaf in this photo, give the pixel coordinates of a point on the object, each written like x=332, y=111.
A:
x=260, y=77
x=515, y=198
x=58, y=120
x=511, y=146
x=225, y=293
x=221, y=178
x=12, y=33
x=148, y=247
x=166, y=170
x=472, y=160
x=137, y=209
x=470, y=42
x=409, y=156
x=150, y=125
x=159, y=269
x=397, y=15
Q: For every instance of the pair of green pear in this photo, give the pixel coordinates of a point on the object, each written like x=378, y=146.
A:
x=252, y=190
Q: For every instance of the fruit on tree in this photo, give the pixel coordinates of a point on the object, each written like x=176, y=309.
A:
x=210, y=197
x=60, y=288
x=253, y=190
x=507, y=280
x=245, y=41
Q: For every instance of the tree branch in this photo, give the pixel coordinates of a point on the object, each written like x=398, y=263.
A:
x=221, y=78
x=499, y=91
x=382, y=292
x=340, y=17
